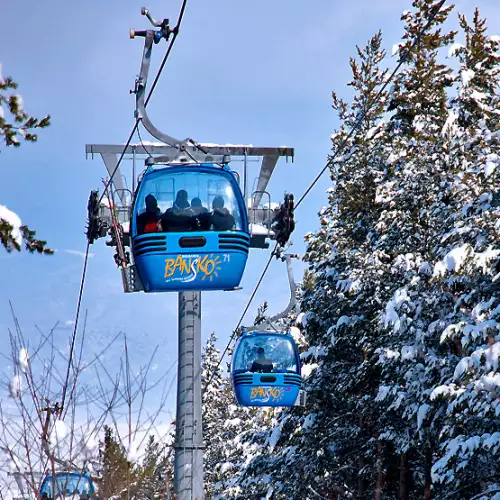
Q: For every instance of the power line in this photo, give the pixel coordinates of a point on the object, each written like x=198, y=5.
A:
x=363, y=115
x=332, y=160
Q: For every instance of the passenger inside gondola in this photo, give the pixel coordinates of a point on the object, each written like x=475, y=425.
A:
x=181, y=200
x=202, y=214
x=198, y=207
x=221, y=218
x=147, y=221
x=262, y=364
x=180, y=217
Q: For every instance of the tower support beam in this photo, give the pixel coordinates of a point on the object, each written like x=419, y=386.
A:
x=188, y=464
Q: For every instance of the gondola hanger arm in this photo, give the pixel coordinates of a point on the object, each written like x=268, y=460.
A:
x=292, y=303
x=152, y=36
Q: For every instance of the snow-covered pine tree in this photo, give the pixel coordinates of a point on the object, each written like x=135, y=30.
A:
x=435, y=224
x=236, y=438
x=12, y=131
x=343, y=304
x=215, y=411
x=401, y=295
x=418, y=105
x=306, y=453
x=413, y=209
x=467, y=271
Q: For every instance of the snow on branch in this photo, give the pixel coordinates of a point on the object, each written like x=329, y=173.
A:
x=10, y=229
x=13, y=234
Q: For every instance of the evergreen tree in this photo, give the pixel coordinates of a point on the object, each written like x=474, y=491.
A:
x=400, y=292
x=13, y=131
x=116, y=474
x=215, y=406
x=229, y=431
x=414, y=213
x=219, y=406
x=337, y=435
x=155, y=473
x=416, y=161
x=467, y=273
x=297, y=453
x=412, y=249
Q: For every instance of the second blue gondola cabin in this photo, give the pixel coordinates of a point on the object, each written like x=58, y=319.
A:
x=266, y=370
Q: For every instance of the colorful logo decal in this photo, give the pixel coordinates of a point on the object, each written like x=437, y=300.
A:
x=187, y=268
x=263, y=394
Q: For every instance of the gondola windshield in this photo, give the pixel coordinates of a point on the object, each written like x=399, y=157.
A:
x=71, y=485
x=274, y=353
x=182, y=201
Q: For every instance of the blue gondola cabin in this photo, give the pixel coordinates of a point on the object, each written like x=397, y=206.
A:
x=189, y=229
x=76, y=485
x=266, y=370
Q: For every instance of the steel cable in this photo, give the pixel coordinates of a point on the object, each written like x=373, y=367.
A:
x=175, y=32
x=331, y=161
x=363, y=115
x=235, y=331
x=73, y=337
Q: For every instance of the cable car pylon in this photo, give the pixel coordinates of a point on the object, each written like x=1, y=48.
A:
x=189, y=221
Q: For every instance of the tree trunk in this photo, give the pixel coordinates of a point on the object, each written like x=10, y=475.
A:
x=427, y=472
x=361, y=481
x=404, y=477
x=380, y=471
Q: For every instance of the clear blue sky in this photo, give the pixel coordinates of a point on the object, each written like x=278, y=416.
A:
x=256, y=72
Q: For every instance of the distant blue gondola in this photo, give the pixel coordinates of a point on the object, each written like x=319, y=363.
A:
x=266, y=370
x=189, y=228
x=76, y=485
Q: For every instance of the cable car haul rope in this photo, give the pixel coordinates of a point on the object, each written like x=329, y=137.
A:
x=190, y=225
x=234, y=240
x=95, y=228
